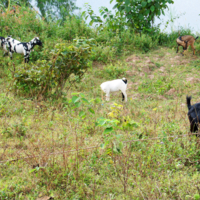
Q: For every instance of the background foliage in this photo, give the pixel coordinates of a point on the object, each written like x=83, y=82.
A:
x=140, y=14
x=50, y=10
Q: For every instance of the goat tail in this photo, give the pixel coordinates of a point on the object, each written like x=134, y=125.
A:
x=188, y=99
x=196, y=37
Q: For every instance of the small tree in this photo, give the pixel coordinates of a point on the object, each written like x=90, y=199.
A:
x=140, y=14
x=70, y=59
x=68, y=63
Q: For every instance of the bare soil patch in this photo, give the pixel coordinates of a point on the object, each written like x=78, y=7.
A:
x=193, y=80
x=171, y=91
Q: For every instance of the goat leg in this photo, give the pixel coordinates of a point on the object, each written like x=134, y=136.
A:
x=177, y=49
x=122, y=96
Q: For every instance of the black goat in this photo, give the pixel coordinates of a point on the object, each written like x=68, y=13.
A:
x=193, y=115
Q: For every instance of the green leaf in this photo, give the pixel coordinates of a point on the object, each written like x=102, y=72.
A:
x=144, y=3
x=115, y=6
x=108, y=130
x=141, y=16
x=75, y=93
x=128, y=8
x=78, y=104
x=75, y=99
x=91, y=110
x=152, y=8
x=83, y=13
x=35, y=169
x=127, y=2
x=147, y=12
x=196, y=196
x=64, y=53
x=121, y=8
x=102, y=121
x=32, y=170
x=85, y=100
x=97, y=100
x=81, y=113
x=91, y=22
x=105, y=16
x=82, y=95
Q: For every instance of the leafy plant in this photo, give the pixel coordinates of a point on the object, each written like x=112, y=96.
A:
x=78, y=99
x=90, y=12
x=70, y=59
x=140, y=14
x=67, y=63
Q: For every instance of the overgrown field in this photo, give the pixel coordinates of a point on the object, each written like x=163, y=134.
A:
x=80, y=147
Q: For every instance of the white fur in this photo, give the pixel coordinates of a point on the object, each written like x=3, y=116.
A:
x=12, y=42
x=113, y=86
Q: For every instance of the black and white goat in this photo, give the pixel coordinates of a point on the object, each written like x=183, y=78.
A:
x=22, y=47
x=193, y=115
x=113, y=86
x=3, y=45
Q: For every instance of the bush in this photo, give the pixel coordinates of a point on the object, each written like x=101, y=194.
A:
x=144, y=42
x=67, y=64
x=103, y=53
x=72, y=27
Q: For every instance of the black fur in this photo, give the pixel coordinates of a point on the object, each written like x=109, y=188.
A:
x=123, y=97
x=180, y=38
x=196, y=37
x=9, y=46
x=2, y=39
x=193, y=115
x=28, y=50
x=15, y=48
x=185, y=45
x=2, y=42
x=125, y=81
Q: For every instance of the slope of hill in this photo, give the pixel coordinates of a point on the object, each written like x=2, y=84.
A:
x=78, y=147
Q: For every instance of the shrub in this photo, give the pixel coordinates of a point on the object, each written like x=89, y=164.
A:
x=103, y=53
x=67, y=63
x=72, y=27
x=144, y=42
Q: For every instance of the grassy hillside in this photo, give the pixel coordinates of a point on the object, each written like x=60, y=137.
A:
x=150, y=155
x=80, y=147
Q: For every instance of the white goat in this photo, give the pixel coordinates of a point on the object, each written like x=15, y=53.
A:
x=3, y=45
x=22, y=47
x=113, y=86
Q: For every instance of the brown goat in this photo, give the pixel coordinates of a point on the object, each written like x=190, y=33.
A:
x=186, y=41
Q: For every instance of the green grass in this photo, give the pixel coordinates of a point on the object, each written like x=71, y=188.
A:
x=80, y=147
x=137, y=160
